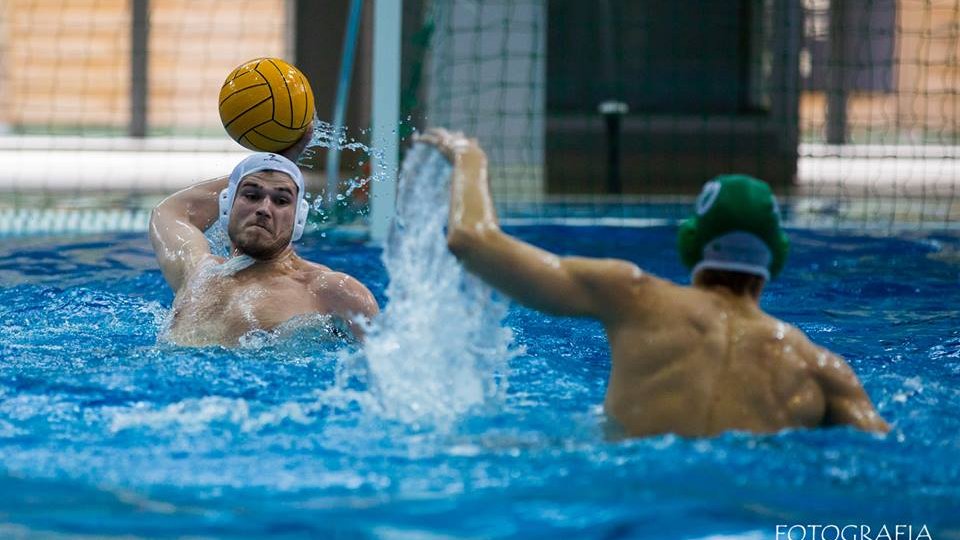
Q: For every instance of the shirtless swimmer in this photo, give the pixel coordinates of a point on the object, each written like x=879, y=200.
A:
x=264, y=283
x=695, y=360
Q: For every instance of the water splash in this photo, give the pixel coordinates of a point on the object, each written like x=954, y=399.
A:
x=219, y=239
x=305, y=333
x=438, y=349
x=194, y=415
x=326, y=135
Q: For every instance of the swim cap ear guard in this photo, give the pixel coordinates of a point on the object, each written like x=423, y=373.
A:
x=264, y=161
x=736, y=228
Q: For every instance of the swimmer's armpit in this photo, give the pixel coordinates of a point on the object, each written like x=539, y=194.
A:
x=847, y=402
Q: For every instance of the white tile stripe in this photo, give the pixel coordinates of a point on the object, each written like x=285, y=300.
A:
x=30, y=221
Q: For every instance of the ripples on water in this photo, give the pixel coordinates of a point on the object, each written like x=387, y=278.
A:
x=103, y=430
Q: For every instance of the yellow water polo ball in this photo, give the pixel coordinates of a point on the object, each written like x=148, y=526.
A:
x=266, y=104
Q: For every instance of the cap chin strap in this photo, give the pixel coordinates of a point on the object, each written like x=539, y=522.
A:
x=736, y=252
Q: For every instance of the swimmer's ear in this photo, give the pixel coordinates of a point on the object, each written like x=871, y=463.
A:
x=780, y=250
x=688, y=244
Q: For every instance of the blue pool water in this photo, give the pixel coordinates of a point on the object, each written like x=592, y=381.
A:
x=103, y=431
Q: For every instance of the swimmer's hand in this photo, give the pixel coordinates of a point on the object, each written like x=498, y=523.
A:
x=293, y=153
x=457, y=147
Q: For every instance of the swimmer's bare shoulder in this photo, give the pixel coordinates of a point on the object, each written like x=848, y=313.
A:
x=846, y=401
x=621, y=290
x=340, y=293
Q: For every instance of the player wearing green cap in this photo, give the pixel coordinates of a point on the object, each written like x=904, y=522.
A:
x=695, y=360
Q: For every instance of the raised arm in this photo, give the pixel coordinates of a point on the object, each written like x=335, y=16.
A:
x=178, y=222
x=574, y=286
x=177, y=225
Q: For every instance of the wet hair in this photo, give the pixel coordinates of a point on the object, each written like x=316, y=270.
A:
x=739, y=283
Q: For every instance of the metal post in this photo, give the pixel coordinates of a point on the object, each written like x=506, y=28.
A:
x=387, y=28
x=613, y=108
x=613, y=112
x=138, y=68
x=836, y=83
x=340, y=107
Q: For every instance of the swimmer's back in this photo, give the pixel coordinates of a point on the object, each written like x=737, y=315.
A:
x=697, y=362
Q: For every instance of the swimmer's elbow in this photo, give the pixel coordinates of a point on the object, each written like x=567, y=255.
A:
x=874, y=423
x=858, y=413
x=882, y=427
x=458, y=241
x=156, y=220
x=465, y=241
x=371, y=308
x=164, y=213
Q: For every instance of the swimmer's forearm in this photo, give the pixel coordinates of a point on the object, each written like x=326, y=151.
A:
x=471, y=206
x=196, y=204
x=530, y=275
x=473, y=233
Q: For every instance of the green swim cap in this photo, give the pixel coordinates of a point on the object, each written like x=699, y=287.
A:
x=737, y=228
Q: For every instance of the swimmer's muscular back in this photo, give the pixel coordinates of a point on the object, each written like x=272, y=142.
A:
x=699, y=362
x=690, y=360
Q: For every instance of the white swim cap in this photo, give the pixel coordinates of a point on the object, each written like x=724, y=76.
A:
x=737, y=252
x=265, y=161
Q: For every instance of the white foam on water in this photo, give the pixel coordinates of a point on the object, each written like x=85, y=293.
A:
x=218, y=239
x=197, y=415
x=438, y=349
x=303, y=330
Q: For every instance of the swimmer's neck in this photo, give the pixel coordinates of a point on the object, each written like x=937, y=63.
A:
x=734, y=286
x=745, y=297
x=282, y=258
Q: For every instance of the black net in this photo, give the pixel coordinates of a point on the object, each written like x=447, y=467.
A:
x=615, y=110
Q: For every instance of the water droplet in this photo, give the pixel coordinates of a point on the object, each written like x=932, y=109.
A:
x=433, y=380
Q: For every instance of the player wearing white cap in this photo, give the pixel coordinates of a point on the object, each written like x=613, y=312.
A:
x=263, y=283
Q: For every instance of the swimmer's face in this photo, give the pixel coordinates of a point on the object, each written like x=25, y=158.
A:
x=263, y=214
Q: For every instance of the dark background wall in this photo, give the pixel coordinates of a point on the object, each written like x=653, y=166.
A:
x=701, y=85
x=318, y=43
